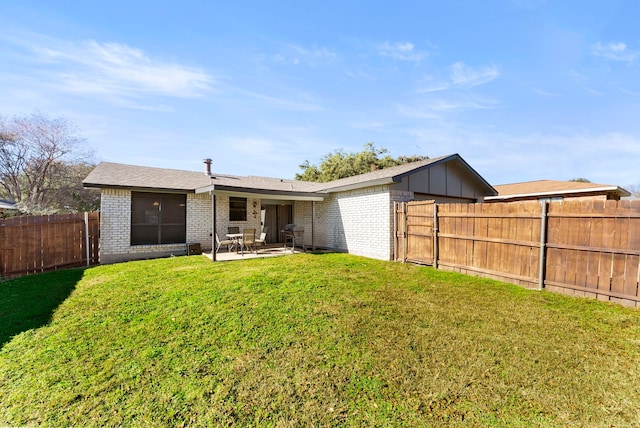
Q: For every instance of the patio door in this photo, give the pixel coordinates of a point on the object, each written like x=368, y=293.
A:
x=276, y=218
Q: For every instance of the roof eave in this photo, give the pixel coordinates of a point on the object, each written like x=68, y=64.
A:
x=136, y=188
x=218, y=189
x=376, y=182
x=617, y=189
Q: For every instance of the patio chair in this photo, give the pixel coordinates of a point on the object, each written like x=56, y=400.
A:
x=262, y=240
x=219, y=243
x=248, y=240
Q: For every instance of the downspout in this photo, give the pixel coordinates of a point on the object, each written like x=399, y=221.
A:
x=313, y=227
x=213, y=227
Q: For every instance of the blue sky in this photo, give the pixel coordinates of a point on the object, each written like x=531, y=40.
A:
x=521, y=89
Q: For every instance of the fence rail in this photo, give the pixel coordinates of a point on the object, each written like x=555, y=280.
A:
x=589, y=248
x=35, y=244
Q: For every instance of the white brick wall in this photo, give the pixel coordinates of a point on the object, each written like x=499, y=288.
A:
x=115, y=228
x=115, y=223
x=357, y=221
x=222, y=215
x=302, y=218
x=199, y=227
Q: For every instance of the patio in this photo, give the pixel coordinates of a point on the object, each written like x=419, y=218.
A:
x=271, y=250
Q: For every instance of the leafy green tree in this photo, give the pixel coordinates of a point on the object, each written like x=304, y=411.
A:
x=581, y=180
x=42, y=164
x=339, y=164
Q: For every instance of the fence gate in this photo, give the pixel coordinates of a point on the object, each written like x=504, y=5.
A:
x=414, y=232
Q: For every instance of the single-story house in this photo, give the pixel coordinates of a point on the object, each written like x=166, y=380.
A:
x=553, y=190
x=151, y=212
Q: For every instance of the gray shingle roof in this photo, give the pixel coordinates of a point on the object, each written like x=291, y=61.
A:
x=380, y=174
x=114, y=175
x=395, y=173
x=107, y=174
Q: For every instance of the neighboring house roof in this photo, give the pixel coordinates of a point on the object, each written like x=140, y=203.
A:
x=553, y=188
x=7, y=205
x=114, y=175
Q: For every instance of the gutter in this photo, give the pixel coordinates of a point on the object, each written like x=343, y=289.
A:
x=617, y=189
x=261, y=193
x=359, y=185
x=136, y=188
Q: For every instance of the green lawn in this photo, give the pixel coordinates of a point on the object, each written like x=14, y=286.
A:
x=310, y=339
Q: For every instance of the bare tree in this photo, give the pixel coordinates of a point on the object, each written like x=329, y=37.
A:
x=634, y=189
x=35, y=152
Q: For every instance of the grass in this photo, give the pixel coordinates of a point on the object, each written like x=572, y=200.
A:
x=311, y=339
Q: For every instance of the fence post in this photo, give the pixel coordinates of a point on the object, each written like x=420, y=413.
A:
x=395, y=231
x=404, y=232
x=435, y=235
x=86, y=236
x=543, y=243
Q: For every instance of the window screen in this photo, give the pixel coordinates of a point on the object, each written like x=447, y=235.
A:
x=158, y=218
x=237, y=209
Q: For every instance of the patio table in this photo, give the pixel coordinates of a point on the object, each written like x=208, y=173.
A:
x=235, y=237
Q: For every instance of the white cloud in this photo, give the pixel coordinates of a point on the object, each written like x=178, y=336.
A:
x=460, y=75
x=313, y=52
x=528, y=4
x=280, y=102
x=593, y=91
x=433, y=87
x=615, y=52
x=292, y=54
x=402, y=51
x=463, y=75
x=117, y=68
x=544, y=93
x=113, y=71
x=460, y=104
x=628, y=92
x=413, y=112
x=511, y=157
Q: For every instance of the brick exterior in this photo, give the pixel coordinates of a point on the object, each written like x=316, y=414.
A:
x=199, y=220
x=359, y=222
x=222, y=215
x=115, y=226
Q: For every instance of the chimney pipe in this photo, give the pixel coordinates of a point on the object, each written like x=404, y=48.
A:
x=207, y=166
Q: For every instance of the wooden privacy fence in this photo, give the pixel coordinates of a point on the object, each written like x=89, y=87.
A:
x=40, y=243
x=589, y=248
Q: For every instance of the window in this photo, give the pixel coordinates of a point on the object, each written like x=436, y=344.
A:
x=237, y=209
x=158, y=218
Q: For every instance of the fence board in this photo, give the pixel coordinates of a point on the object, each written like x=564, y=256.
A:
x=420, y=230
x=592, y=247
x=39, y=243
